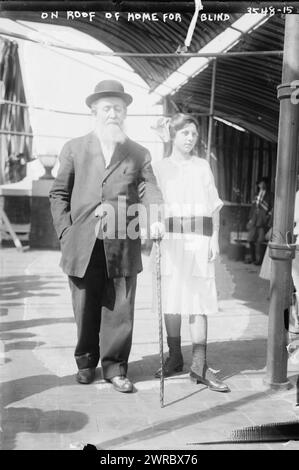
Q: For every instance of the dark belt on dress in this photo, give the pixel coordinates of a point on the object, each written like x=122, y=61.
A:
x=200, y=225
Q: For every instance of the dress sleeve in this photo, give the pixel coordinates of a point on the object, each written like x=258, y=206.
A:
x=215, y=203
x=156, y=171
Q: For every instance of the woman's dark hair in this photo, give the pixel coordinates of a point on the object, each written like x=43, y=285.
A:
x=179, y=121
x=264, y=179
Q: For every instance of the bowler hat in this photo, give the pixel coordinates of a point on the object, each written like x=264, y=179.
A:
x=109, y=88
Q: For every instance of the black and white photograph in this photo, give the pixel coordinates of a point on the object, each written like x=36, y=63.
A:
x=149, y=222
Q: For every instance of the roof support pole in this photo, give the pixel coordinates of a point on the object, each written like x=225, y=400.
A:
x=281, y=249
x=211, y=116
x=168, y=110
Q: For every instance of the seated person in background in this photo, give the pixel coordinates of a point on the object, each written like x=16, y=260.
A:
x=16, y=167
x=259, y=221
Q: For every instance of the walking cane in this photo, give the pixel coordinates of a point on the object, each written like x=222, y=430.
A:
x=159, y=304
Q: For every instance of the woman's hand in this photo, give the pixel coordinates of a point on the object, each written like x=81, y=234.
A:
x=157, y=230
x=214, y=247
x=99, y=211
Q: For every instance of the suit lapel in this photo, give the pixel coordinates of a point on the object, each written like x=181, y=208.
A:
x=120, y=153
x=96, y=153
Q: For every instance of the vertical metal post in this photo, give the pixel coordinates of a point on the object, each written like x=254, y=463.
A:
x=160, y=315
x=166, y=112
x=280, y=250
x=211, y=116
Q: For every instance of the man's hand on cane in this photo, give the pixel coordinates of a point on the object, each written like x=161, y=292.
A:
x=157, y=230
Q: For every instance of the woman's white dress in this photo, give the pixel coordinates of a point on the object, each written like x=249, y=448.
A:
x=188, y=277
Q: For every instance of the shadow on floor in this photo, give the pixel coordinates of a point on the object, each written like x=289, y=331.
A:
x=22, y=324
x=15, y=420
x=178, y=423
x=23, y=345
x=245, y=284
x=7, y=335
x=25, y=286
x=230, y=357
x=34, y=420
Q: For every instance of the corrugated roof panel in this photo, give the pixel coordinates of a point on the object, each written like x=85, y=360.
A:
x=245, y=87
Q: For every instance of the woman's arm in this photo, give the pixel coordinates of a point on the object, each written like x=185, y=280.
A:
x=214, y=241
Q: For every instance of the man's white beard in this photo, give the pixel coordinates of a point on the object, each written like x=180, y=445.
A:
x=112, y=134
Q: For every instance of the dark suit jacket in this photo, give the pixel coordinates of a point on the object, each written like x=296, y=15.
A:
x=82, y=183
x=259, y=217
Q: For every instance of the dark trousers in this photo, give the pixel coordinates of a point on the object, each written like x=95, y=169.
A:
x=104, y=314
x=256, y=237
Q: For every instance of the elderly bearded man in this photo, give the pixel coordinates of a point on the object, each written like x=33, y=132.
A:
x=103, y=169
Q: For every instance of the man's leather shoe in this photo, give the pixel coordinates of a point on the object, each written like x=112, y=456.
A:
x=212, y=382
x=121, y=383
x=86, y=376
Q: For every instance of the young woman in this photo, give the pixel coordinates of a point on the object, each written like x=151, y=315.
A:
x=189, y=249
